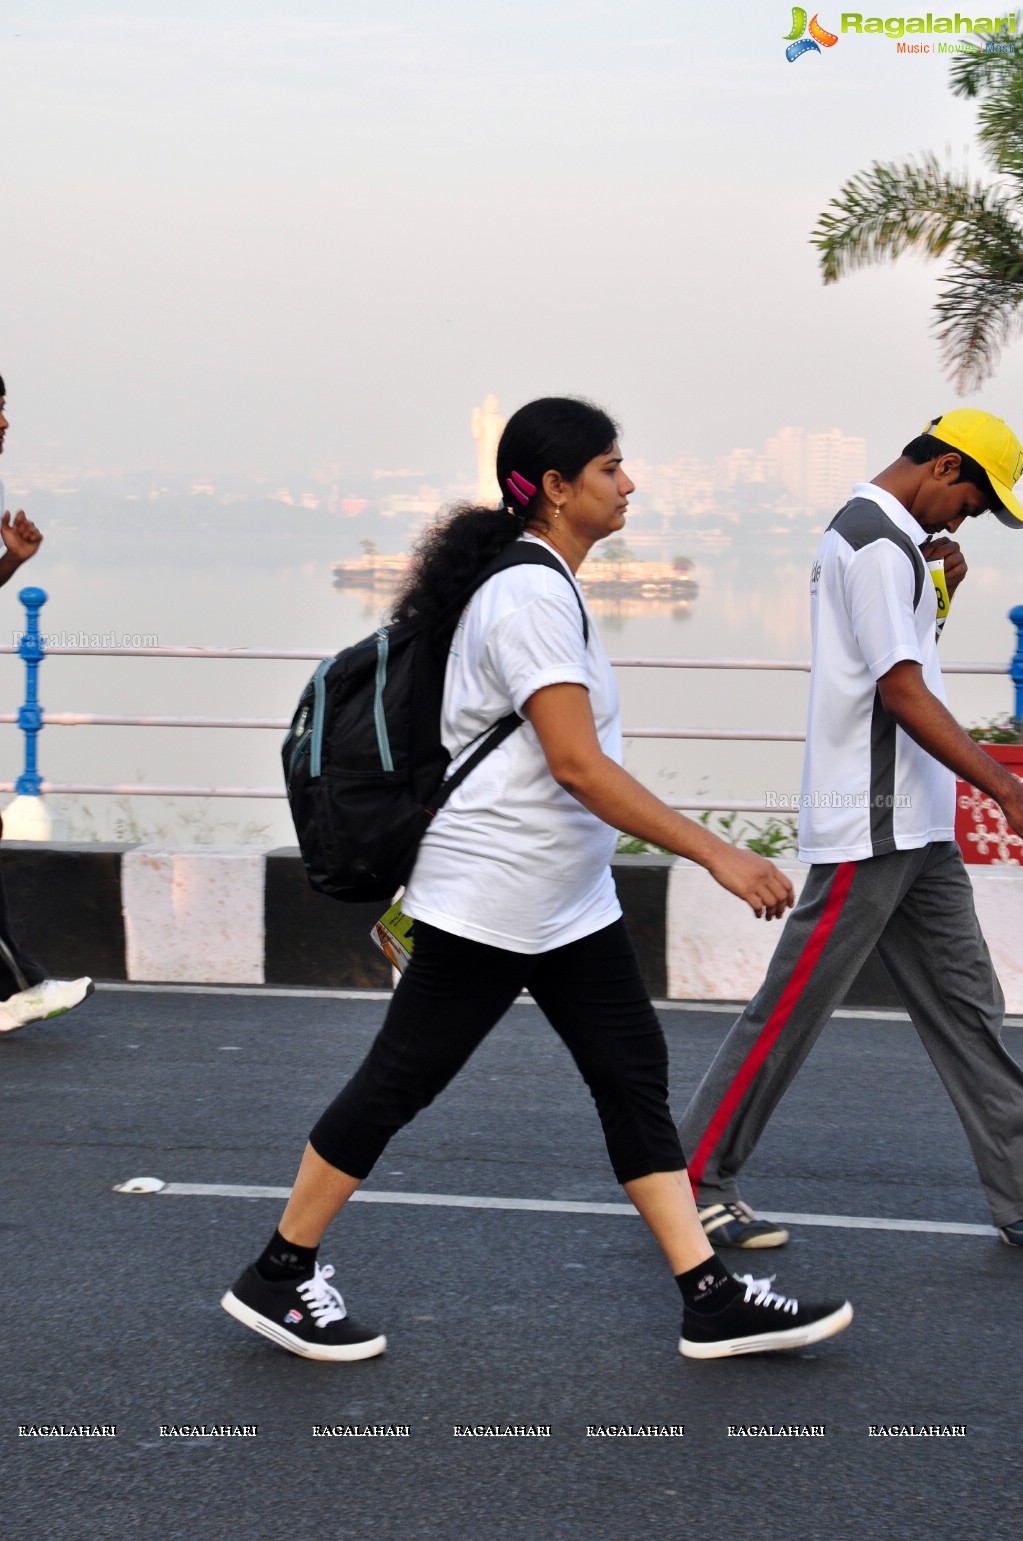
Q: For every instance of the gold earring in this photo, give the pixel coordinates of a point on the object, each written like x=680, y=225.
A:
x=557, y=510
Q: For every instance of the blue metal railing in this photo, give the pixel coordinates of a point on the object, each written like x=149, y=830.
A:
x=32, y=719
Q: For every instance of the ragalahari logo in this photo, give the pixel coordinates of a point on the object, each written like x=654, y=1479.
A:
x=797, y=40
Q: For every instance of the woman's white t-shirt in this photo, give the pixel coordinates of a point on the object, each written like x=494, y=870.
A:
x=511, y=859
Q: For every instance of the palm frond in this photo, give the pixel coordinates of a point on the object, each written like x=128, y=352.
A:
x=973, y=323
x=921, y=206
x=888, y=210
x=998, y=79
x=971, y=75
x=979, y=310
x=1000, y=130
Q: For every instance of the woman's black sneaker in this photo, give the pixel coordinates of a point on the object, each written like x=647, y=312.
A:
x=758, y=1322
x=307, y=1316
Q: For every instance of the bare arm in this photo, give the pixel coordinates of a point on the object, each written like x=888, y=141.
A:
x=906, y=698
x=563, y=722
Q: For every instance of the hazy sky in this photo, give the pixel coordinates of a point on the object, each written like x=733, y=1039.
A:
x=235, y=238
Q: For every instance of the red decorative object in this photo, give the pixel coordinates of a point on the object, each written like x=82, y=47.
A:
x=983, y=835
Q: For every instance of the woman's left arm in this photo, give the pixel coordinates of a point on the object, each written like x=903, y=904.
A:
x=562, y=719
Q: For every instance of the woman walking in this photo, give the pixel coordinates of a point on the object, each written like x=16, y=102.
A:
x=512, y=888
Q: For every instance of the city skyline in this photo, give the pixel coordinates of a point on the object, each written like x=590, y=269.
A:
x=812, y=467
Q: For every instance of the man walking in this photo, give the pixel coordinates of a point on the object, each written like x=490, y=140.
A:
x=877, y=810
x=26, y=994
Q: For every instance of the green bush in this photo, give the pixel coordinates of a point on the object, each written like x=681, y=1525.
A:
x=1000, y=730
x=775, y=838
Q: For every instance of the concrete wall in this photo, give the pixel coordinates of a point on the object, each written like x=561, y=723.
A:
x=244, y=915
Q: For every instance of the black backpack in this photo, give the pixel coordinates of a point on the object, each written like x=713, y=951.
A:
x=364, y=763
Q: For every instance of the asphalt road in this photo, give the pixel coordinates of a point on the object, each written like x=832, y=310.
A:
x=494, y=1317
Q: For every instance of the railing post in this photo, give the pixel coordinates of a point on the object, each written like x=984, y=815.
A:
x=1016, y=667
x=30, y=716
x=27, y=817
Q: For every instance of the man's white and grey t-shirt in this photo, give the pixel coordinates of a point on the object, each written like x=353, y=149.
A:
x=868, y=788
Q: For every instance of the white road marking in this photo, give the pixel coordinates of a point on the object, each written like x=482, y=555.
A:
x=292, y=992
x=873, y=1223
x=300, y=992
x=569, y=1207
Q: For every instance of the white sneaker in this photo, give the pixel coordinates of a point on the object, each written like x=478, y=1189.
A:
x=41, y=1001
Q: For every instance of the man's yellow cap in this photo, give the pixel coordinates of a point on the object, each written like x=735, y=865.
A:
x=993, y=445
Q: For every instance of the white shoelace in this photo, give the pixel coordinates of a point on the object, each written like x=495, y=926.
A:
x=324, y=1301
x=765, y=1295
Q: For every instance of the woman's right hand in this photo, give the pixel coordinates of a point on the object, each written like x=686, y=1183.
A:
x=768, y=892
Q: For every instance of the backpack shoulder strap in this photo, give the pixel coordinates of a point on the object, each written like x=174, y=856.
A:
x=527, y=553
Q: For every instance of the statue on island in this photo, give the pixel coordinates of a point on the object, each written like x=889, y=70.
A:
x=487, y=428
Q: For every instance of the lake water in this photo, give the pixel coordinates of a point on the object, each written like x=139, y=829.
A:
x=753, y=603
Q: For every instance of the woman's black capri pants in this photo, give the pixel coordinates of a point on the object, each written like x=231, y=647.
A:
x=450, y=996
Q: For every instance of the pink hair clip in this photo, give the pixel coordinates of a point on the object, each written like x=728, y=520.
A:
x=520, y=488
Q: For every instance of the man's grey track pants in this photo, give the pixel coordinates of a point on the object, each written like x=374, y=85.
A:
x=917, y=908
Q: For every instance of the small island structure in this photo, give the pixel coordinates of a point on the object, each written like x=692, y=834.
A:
x=608, y=576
